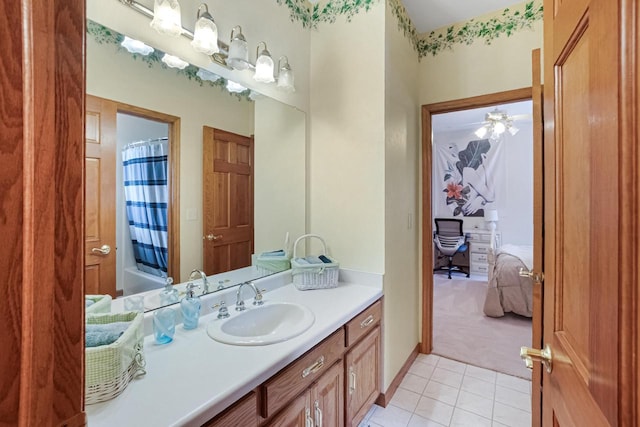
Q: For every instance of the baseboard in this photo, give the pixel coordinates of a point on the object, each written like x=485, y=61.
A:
x=384, y=398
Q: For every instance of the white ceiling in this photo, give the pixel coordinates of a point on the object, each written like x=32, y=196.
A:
x=427, y=15
x=473, y=119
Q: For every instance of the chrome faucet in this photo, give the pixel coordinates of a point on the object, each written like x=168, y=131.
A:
x=205, y=283
x=257, y=300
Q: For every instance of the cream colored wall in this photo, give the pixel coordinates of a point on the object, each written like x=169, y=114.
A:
x=260, y=20
x=346, y=170
x=479, y=69
x=402, y=161
x=117, y=77
x=280, y=190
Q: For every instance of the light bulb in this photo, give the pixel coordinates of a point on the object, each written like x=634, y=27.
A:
x=481, y=132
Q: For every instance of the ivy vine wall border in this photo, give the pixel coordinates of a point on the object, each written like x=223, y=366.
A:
x=506, y=24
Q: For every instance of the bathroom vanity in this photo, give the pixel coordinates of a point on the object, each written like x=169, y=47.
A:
x=328, y=375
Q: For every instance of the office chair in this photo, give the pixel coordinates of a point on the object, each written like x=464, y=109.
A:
x=450, y=240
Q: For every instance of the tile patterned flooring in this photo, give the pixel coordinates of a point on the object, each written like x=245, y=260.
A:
x=440, y=392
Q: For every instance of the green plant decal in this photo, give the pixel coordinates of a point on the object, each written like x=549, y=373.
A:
x=404, y=22
x=311, y=15
x=506, y=24
x=104, y=35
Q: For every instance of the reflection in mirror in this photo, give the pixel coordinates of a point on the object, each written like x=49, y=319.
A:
x=278, y=165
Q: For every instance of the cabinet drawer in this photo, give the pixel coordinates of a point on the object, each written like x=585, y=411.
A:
x=295, y=378
x=479, y=268
x=479, y=258
x=242, y=413
x=480, y=248
x=363, y=323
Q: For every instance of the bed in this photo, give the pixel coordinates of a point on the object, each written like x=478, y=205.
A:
x=507, y=291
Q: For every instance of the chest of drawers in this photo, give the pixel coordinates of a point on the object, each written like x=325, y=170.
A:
x=479, y=247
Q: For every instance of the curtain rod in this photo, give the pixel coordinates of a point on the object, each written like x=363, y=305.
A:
x=144, y=142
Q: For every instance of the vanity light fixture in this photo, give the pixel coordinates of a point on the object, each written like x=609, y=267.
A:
x=174, y=61
x=285, y=75
x=207, y=75
x=264, y=65
x=238, y=50
x=205, y=35
x=497, y=122
x=235, y=87
x=166, y=17
x=136, y=46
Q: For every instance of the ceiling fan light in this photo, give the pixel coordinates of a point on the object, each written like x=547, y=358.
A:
x=499, y=128
x=481, y=132
x=513, y=130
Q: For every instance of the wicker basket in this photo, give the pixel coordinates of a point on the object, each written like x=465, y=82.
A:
x=109, y=368
x=101, y=304
x=313, y=276
x=266, y=264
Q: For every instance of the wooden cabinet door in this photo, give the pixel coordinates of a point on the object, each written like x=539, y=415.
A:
x=327, y=397
x=591, y=213
x=296, y=414
x=362, y=381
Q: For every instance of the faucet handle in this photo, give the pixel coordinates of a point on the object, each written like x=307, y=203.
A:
x=257, y=300
x=223, y=313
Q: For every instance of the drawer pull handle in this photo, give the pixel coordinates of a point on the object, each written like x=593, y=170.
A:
x=313, y=368
x=308, y=421
x=366, y=322
x=352, y=380
x=318, y=414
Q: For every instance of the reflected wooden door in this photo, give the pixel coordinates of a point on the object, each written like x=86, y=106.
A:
x=591, y=218
x=100, y=199
x=227, y=200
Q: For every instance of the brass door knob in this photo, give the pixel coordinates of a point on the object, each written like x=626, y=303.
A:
x=211, y=237
x=530, y=355
x=103, y=250
x=533, y=275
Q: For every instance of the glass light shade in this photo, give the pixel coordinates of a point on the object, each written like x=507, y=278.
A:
x=285, y=75
x=207, y=75
x=174, y=61
x=235, y=87
x=264, y=68
x=136, y=46
x=205, y=36
x=238, y=51
x=513, y=130
x=166, y=17
x=481, y=132
x=499, y=128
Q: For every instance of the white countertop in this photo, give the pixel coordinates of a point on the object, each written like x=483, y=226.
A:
x=194, y=378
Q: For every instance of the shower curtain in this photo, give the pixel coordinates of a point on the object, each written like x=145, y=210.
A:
x=146, y=195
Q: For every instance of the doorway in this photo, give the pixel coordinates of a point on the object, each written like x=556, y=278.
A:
x=482, y=182
x=427, y=193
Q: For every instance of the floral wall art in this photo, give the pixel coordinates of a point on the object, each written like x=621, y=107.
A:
x=466, y=176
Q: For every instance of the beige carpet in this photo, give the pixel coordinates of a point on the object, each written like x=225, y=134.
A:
x=462, y=332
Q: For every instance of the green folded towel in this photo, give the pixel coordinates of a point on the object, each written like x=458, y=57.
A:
x=97, y=335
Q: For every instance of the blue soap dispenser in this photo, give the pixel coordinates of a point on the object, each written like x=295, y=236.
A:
x=190, y=306
x=169, y=294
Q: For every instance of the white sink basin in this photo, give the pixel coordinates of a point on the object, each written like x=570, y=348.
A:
x=267, y=324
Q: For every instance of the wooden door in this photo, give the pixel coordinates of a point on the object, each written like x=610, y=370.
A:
x=327, y=397
x=295, y=414
x=538, y=232
x=100, y=199
x=591, y=213
x=227, y=200
x=362, y=381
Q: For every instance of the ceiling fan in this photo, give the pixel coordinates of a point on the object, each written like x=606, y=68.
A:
x=497, y=122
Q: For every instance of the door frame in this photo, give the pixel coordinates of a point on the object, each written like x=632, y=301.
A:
x=173, y=165
x=428, y=110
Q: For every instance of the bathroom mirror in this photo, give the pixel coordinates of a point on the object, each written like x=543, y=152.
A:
x=278, y=152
